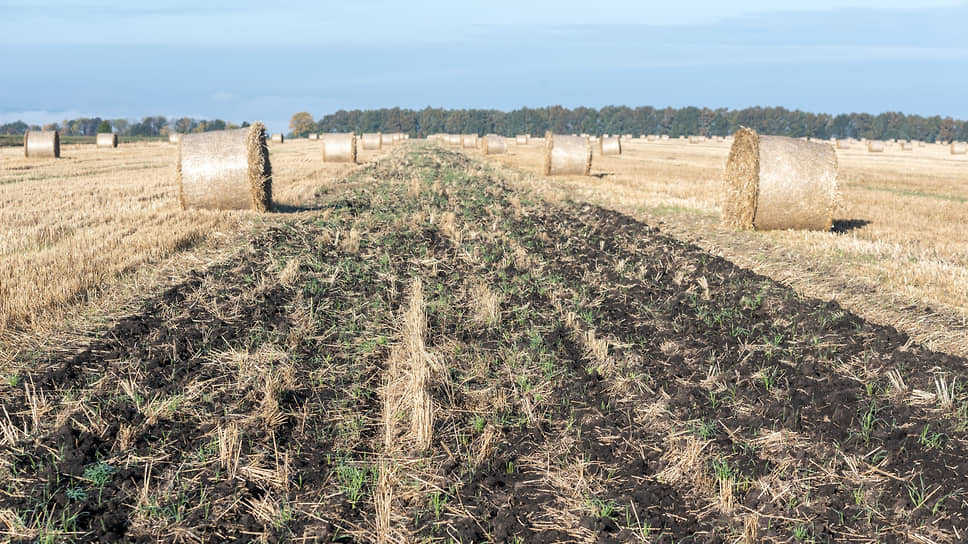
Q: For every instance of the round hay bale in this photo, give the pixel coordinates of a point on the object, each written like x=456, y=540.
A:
x=174, y=138
x=664, y=137
x=492, y=144
x=42, y=144
x=339, y=147
x=610, y=146
x=907, y=146
x=107, y=139
x=843, y=144
x=372, y=140
x=567, y=155
x=652, y=138
x=959, y=148
x=521, y=139
x=386, y=139
x=278, y=139
x=225, y=170
x=468, y=141
x=775, y=182
x=313, y=136
x=875, y=147
x=697, y=139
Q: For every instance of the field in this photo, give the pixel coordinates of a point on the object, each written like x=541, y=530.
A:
x=434, y=348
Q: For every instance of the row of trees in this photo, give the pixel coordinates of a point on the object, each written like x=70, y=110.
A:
x=641, y=120
x=147, y=127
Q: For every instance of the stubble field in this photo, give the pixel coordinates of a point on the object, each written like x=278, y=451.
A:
x=432, y=348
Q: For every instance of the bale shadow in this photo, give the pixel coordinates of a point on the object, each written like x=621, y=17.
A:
x=296, y=208
x=843, y=226
x=602, y=175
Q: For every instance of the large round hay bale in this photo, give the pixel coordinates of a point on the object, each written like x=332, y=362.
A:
x=225, y=170
x=875, y=147
x=610, y=146
x=372, y=140
x=959, y=148
x=174, y=138
x=339, y=147
x=775, y=182
x=492, y=144
x=107, y=139
x=42, y=144
x=468, y=141
x=386, y=139
x=567, y=155
x=278, y=138
x=521, y=139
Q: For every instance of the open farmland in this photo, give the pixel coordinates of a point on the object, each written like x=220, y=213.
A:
x=898, y=254
x=431, y=348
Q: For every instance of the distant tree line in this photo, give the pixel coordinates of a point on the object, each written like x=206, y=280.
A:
x=147, y=127
x=646, y=120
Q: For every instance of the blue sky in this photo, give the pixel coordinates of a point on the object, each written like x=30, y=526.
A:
x=247, y=60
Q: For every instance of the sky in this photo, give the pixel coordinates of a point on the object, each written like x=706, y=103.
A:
x=243, y=60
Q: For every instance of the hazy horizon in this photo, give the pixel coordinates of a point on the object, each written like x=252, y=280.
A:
x=247, y=61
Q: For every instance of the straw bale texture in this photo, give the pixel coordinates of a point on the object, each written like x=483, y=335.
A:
x=521, y=139
x=468, y=141
x=959, y=148
x=42, y=144
x=774, y=182
x=875, y=147
x=492, y=144
x=107, y=139
x=225, y=170
x=339, y=147
x=453, y=139
x=567, y=155
x=386, y=139
x=372, y=140
x=278, y=138
x=610, y=146
x=174, y=138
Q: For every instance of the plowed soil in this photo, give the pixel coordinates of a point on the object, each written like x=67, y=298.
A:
x=590, y=380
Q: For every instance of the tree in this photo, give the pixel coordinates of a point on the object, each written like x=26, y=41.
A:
x=104, y=127
x=301, y=124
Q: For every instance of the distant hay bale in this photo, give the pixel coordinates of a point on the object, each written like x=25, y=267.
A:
x=521, y=139
x=174, y=138
x=468, y=141
x=627, y=136
x=278, y=138
x=567, y=155
x=225, y=170
x=339, y=147
x=386, y=139
x=107, y=139
x=664, y=137
x=875, y=147
x=775, y=182
x=843, y=144
x=492, y=144
x=372, y=140
x=652, y=138
x=610, y=146
x=42, y=144
x=313, y=136
x=959, y=148
x=907, y=146
x=697, y=139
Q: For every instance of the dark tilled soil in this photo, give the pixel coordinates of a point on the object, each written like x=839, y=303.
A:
x=633, y=388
